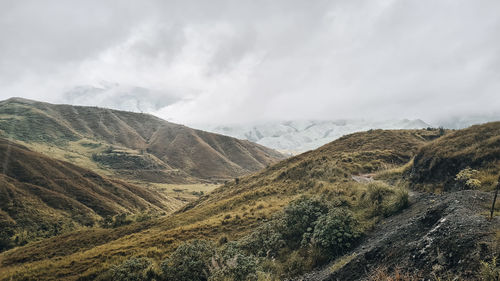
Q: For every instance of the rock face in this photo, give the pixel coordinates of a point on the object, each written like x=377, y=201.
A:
x=299, y=136
x=436, y=235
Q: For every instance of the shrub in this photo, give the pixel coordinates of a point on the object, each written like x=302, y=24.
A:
x=466, y=179
x=266, y=241
x=377, y=192
x=335, y=232
x=230, y=263
x=299, y=218
x=295, y=265
x=189, y=262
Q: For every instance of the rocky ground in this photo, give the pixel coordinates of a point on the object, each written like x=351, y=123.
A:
x=438, y=235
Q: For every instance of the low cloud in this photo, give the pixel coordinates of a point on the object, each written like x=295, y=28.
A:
x=241, y=61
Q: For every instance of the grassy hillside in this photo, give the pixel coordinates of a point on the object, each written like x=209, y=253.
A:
x=131, y=145
x=236, y=209
x=42, y=197
x=437, y=164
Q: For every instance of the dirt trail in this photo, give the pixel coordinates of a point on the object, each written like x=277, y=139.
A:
x=363, y=178
x=436, y=234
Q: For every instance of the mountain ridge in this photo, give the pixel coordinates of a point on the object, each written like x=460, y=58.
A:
x=188, y=155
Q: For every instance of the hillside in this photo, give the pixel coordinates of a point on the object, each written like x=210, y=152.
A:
x=42, y=197
x=234, y=210
x=357, y=180
x=299, y=136
x=476, y=147
x=131, y=145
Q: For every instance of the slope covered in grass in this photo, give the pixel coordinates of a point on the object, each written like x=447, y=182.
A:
x=103, y=138
x=42, y=197
x=235, y=209
x=476, y=147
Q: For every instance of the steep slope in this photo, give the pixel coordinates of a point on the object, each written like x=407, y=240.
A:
x=477, y=147
x=300, y=136
x=41, y=197
x=438, y=235
x=102, y=139
x=231, y=211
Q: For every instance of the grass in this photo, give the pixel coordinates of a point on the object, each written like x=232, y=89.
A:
x=185, y=192
x=477, y=147
x=236, y=208
x=232, y=210
x=140, y=141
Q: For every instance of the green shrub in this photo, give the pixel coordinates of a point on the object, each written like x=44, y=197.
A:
x=402, y=201
x=294, y=265
x=299, y=217
x=467, y=179
x=266, y=241
x=230, y=263
x=335, y=232
x=377, y=193
x=189, y=262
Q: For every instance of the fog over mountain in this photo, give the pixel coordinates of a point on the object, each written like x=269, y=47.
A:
x=299, y=136
x=258, y=61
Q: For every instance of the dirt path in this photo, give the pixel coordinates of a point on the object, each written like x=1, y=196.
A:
x=363, y=178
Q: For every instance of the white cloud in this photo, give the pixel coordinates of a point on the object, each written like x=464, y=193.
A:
x=219, y=61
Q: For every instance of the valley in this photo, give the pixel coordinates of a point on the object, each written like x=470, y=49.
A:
x=240, y=211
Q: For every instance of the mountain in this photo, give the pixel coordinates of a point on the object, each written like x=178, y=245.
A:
x=349, y=193
x=232, y=210
x=299, y=136
x=42, y=197
x=131, y=145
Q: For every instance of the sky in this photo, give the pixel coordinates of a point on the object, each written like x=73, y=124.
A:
x=244, y=61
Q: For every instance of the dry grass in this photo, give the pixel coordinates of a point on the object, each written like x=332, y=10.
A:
x=72, y=133
x=231, y=210
x=477, y=147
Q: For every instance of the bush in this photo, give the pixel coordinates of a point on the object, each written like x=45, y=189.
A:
x=134, y=269
x=335, y=232
x=266, y=241
x=189, y=262
x=467, y=179
x=401, y=201
x=299, y=218
x=231, y=264
x=377, y=193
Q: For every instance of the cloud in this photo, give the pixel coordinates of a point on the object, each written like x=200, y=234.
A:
x=238, y=61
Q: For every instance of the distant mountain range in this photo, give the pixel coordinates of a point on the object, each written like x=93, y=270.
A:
x=299, y=136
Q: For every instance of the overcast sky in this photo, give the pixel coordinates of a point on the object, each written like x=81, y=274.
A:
x=240, y=61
